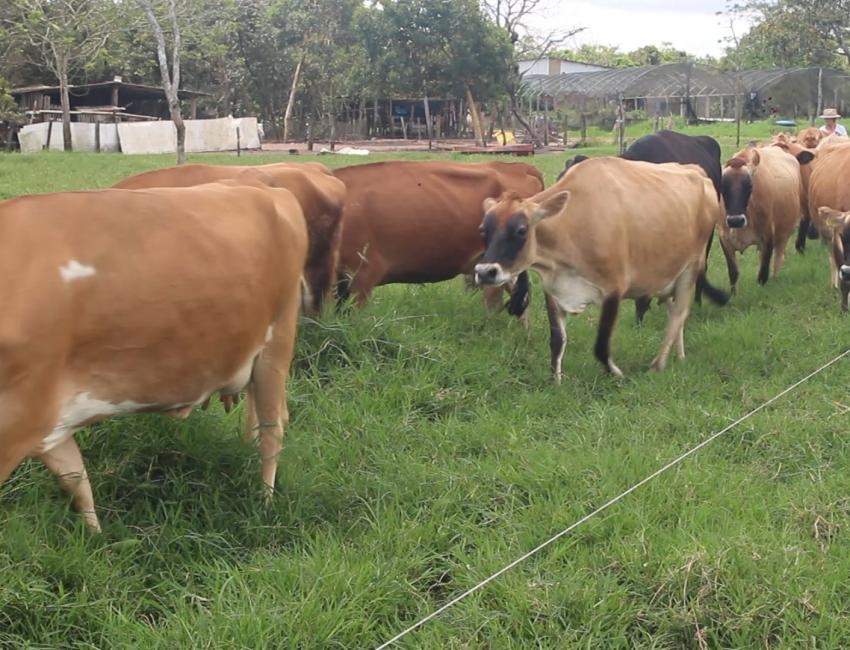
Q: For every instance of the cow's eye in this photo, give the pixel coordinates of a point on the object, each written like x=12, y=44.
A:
x=522, y=231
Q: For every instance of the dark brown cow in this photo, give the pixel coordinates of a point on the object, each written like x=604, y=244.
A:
x=609, y=229
x=113, y=305
x=417, y=221
x=319, y=192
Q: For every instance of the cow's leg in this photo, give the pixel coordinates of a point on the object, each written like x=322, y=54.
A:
x=833, y=272
x=641, y=307
x=677, y=313
x=602, y=348
x=367, y=277
x=66, y=463
x=802, y=229
x=269, y=391
x=252, y=432
x=557, y=336
x=731, y=264
x=765, y=253
x=779, y=252
x=845, y=290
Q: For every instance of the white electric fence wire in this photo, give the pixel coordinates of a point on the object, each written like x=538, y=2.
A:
x=607, y=504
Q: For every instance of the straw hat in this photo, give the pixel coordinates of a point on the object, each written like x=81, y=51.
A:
x=829, y=114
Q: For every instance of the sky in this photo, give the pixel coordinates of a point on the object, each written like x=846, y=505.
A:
x=689, y=25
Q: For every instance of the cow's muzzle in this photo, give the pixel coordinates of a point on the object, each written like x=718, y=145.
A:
x=490, y=273
x=736, y=220
x=844, y=273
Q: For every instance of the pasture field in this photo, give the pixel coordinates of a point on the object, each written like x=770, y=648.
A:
x=428, y=448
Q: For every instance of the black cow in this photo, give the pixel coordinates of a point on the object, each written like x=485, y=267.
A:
x=671, y=147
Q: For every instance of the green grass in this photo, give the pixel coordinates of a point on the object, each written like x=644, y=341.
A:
x=428, y=448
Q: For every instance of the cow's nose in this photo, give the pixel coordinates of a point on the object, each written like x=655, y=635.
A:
x=486, y=273
x=736, y=220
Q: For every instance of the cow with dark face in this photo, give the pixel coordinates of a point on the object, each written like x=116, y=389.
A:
x=609, y=229
x=670, y=147
x=840, y=249
x=762, y=190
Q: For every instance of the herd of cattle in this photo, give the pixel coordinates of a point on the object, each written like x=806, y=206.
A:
x=135, y=274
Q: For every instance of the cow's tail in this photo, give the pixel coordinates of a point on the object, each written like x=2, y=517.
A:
x=520, y=295
x=715, y=295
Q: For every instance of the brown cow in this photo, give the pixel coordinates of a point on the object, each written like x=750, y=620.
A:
x=609, y=229
x=319, y=192
x=417, y=221
x=829, y=187
x=805, y=157
x=113, y=305
x=761, y=188
x=809, y=137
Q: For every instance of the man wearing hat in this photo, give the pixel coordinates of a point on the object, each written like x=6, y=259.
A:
x=831, y=126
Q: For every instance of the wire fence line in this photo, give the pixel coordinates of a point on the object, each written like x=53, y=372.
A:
x=608, y=504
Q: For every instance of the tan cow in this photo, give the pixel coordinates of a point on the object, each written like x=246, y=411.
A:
x=809, y=137
x=840, y=248
x=829, y=187
x=609, y=229
x=319, y=192
x=761, y=188
x=417, y=221
x=112, y=305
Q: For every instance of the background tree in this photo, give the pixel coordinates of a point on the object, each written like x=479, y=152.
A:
x=170, y=77
x=792, y=33
x=66, y=35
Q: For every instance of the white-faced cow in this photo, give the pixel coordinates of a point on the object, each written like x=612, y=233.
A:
x=762, y=188
x=320, y=194
x=609, y=229
x=113, y=305
x=417, y=221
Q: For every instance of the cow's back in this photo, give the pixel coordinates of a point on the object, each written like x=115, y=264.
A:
x=777, y=189
x=828, y=182
x=135, y=277
x=632, y=225
x=419, y=221
x=673, y=147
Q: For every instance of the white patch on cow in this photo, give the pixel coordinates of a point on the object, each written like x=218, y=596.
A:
x=844, y=271
x=240, y=378
x=82, y=408
x=269, y=333
x=491, y=273
x=73, y=270
x=572, y=292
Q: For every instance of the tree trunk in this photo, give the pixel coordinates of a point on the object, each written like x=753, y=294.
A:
x=287, y=116
x=518, y=115
x=65, y=101
x=177, y=118
x=477, y=130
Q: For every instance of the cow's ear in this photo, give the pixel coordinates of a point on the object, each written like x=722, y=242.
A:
x=805, y=157
x=550, y=207
x=831, y=216
x=755, y=158
x=488, y=204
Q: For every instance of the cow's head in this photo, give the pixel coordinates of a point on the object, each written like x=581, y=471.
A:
x=809, y=137
x=570, y=162
x=736, y=186
x=508, y=230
